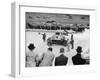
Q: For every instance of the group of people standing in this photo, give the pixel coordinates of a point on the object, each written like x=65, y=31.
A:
x=48, y=58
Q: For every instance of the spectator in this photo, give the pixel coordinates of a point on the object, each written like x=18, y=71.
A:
x=77, y=59
x=48, y=58
x=72, y=41
x=44, y=37
x=30, y=56
x=62, y=59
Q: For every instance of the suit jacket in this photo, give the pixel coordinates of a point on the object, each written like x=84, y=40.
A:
x=61, y=60
x=77, y=60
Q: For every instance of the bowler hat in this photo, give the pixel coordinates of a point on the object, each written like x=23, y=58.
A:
x=79, y=49
x=31, y=46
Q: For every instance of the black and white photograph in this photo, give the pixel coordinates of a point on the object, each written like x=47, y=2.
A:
x=54, y=39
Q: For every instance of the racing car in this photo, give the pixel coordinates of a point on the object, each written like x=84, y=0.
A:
x=57, y=39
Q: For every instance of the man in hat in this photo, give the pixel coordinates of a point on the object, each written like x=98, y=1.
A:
x=77, y=59
x=62, y=59
x=30, y=56
x=48, y=58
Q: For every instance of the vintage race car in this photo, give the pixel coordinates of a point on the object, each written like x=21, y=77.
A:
x=57, y=39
